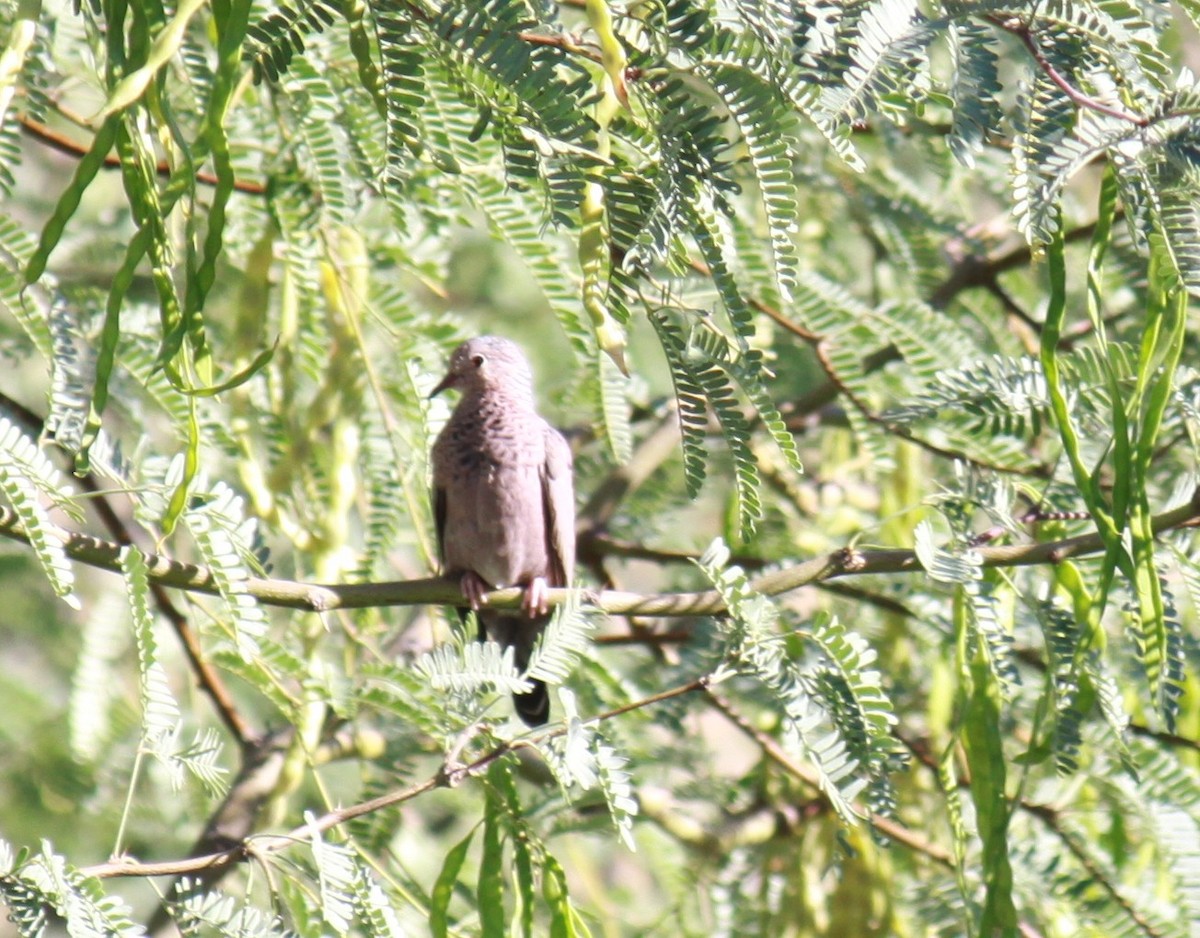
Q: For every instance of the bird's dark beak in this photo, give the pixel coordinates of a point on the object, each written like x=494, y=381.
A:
x=446, y=382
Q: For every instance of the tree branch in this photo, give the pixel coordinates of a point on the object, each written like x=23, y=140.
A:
x=447, y=776
x=63, y=144
x=443, y=591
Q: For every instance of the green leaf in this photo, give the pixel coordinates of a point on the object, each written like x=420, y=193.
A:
x=520, y=839
x=564, y=639
x=490, y=892
x=443, y=889
x=617, y=787
x=337, y=874
x=766, y=128
x=984, y=748
x=160, y=711
x=472, y=667
x=690, y=398
x=26, y=473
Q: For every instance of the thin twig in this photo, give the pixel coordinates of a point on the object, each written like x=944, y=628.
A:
x=257, y=779
x=446, y=776
x=1167, y=739
x=839, y=387
x=1080, y=99
x=893, y=830
x=63, y=144
x=895, y=429
x=1048, y=815
x=970, y=271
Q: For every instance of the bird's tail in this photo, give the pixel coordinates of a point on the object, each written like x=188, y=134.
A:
x=533, y=707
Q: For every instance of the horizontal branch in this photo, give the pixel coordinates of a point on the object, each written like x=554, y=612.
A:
x=444, y=591
x=64, y=144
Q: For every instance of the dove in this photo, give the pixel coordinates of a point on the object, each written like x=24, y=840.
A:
x=503, y=500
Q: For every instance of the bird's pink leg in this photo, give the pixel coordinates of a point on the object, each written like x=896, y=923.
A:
x=534, y=602
x=474, y=587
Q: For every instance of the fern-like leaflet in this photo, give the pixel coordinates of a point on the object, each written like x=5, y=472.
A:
x=26, y=477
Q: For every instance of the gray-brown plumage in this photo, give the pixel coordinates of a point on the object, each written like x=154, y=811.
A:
x=503, y=499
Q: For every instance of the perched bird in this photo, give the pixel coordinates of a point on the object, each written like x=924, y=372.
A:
x=503, y=499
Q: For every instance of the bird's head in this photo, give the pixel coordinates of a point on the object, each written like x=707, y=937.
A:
x=485, y=363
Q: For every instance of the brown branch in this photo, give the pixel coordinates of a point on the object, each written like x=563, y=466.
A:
x=973, y=270
x=64, y=144
x=562, y=41
x=1081, y=100
x=1030, y=335
x=761, y=823
x=1167, y=739
x=263, y=844
x=448, y=775
x=811, y=401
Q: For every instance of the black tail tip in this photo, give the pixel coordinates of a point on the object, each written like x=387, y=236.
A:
x=533, y=708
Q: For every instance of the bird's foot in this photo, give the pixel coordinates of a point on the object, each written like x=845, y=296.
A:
x=475, y=588
x=535, y=603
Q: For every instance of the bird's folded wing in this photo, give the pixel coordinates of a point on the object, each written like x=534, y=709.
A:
x=558, y=500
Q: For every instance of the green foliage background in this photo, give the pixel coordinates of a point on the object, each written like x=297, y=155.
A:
x=870, y=324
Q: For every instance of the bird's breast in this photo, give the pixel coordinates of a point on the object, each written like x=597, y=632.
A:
x=495, y=524
x=488, y=461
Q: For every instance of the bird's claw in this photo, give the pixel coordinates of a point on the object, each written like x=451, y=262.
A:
x=474, y=589
x=535, y=601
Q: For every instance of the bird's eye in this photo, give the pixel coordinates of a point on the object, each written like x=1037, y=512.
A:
x=477, y=361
